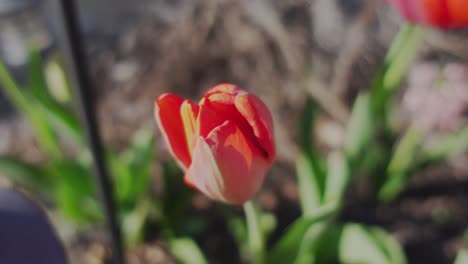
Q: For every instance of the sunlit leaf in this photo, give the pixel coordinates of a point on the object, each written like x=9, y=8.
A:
x=360, y=129
x=287, y=248
x=187, y=251
x=309, y=188
x=57, y=113
x=337, y=177
x=309, y=165
x=133, y=223
x=462, y=257
x=45, y=134
x=360, y=244
x=401, y=163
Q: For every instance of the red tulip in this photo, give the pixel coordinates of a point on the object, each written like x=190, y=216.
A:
x=224, y=144
x=438, y=13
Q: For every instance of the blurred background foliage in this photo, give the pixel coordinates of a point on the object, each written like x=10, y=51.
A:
x=370, y=123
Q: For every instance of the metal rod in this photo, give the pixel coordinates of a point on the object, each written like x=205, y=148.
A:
x=75, y=56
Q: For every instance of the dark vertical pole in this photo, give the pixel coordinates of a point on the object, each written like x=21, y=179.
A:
x=75, y=55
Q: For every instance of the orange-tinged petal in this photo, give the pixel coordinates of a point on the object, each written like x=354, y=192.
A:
x=242, y=167
x=458, y=10
x=167, y=114
x=203, y=174
x=227, y=106
x=259, y=118
x=208, y=118
x=436, y=12
x=189, y=113
x=223, y=88
x=226, y=167
x=439, y=13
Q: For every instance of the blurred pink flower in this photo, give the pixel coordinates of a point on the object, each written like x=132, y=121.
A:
x=437, y=97
x=435, y=13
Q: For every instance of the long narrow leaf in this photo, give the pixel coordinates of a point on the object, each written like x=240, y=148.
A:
x=360, y=244
x=402, y=161
x=187, y=251
x=45, y=134
x=337, y=177
x=288, y=247
x=360, y=129
x=57, y=113
x=309, y=188
x=309, y=165
x=76, y=194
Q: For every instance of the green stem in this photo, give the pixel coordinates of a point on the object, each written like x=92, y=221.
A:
x=255, y=233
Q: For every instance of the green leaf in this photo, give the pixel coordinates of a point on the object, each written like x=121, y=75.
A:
x=337, y=178
x=446, y=147
x=268, y=223
x=141, y=156
x=132, y=169
x=45, y=133
x=57, y=81
x=25, y=174
x=310, y=192
x=187, y=251
x=313, y=237
x=57, y=113
x=359, y=244
x=306, y=126
x=76, y=193
x=462, y=257
x=133, y=223
x=360, y=129
x=389, y=245
x=309, y=165
x=122, y=174
x=288, y=247
x=176, y=200
x=402, y=161
x=256, y=236
x=403, y=50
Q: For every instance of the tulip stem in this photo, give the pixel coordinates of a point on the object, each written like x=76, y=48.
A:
x=255, y=234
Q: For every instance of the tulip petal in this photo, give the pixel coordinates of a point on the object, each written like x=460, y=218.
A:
x=226, y=167
x=437, y=12
x=241, y=109
x=458, y=12
x=411, y=10
x=223, y=88
x=259, y=118
x=203, y=174
x=241, y=165
x=208, y=117
x=167, y=114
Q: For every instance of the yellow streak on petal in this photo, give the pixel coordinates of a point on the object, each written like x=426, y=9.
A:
x=189, y=123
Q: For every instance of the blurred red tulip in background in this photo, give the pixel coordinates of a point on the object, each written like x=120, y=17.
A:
x=437, y=13
x=224, y=144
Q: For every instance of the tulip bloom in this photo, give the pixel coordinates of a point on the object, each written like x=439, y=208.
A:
x=437, y=13
x=224, y=144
